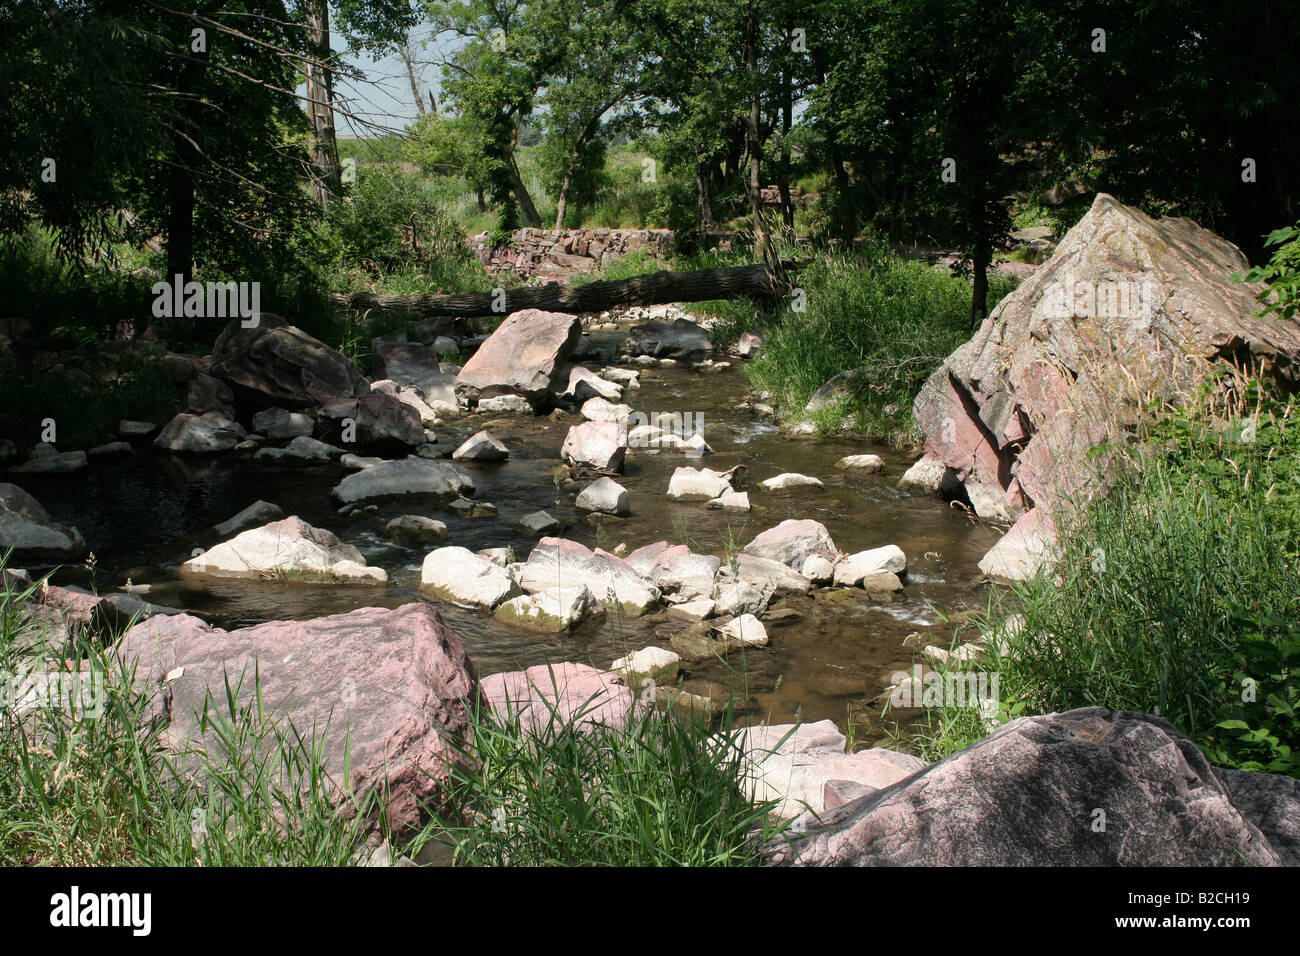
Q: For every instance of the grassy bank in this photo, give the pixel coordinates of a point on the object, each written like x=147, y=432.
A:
x=892, y=320
x=89, y=783
x=1178, y=595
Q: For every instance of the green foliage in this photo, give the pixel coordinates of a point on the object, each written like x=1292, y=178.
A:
x=1281, y=275
x=892, y=320
x=667, y=791
x=394, y=228
x=1178, y=592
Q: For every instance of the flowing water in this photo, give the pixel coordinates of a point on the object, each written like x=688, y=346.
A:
x=143, y=515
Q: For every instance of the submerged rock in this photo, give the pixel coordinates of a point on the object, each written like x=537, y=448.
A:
x=551, y=611
x=409, y=476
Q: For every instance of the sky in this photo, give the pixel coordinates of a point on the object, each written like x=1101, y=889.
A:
x=385, y=98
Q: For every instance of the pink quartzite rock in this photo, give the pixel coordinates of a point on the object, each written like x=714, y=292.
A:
x=397, y=681
x=1128, y=309
x=524, y=356
x=555, y=694
x=1030, y=793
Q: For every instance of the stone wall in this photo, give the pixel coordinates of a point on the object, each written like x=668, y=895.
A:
x=558, y=252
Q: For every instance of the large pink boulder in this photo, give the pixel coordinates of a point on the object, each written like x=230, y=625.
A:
x=524, y=356
x=554, y=695
x=396, y=684
x=1128, y=309
x=1089, y=787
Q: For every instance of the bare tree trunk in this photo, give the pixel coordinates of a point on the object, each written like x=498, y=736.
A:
x=787, y=120
x=404, y=51
x=320, y=107
x=763, y=248
x=562, y=201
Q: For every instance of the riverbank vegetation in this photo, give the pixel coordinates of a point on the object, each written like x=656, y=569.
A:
x=1177, y=594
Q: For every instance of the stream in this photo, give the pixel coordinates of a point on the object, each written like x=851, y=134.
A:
x=143, y=515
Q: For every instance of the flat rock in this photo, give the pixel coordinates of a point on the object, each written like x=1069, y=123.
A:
x=408, y=476
x=290, y=550
x=462, y=577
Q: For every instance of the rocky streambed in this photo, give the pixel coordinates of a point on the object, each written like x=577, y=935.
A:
x=831, y=650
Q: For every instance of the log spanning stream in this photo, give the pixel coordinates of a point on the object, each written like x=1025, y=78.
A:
x=831, y=652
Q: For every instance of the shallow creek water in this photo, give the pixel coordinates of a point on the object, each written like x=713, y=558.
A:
x=144, y=514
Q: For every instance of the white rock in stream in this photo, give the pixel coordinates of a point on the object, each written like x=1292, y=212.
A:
x=606, y=496
x=851, y=569
x=818, y=570
x=549, y=612
x=742, y=597
x=505, y=405
x=793, y=541
x=461, y=576
x=622, y=376
x=792, y=763
x=791, y=482
x=691, y=484
x=600, y=410
x=650, y=663
x=585, y=384
x=481, y=446
x=747, y=629
x=409, y=476
x=598, y=445
x=560, y=563
x=861, y=463
x=731, y=501
x=288, y=549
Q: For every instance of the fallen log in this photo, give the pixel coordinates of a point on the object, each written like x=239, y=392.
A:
x=655, y=288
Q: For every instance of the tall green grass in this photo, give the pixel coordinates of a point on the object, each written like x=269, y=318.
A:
x=666, y=791
x=892, y=320
x=1178, y=594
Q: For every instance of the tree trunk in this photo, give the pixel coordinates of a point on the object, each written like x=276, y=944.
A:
x=763, y=248
x=703, y=202
x=754, y=281
x=562, y=201
x=320, y=107
x=979, y=303
x=526, y=207
x=403, y=50
x=787, y=120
